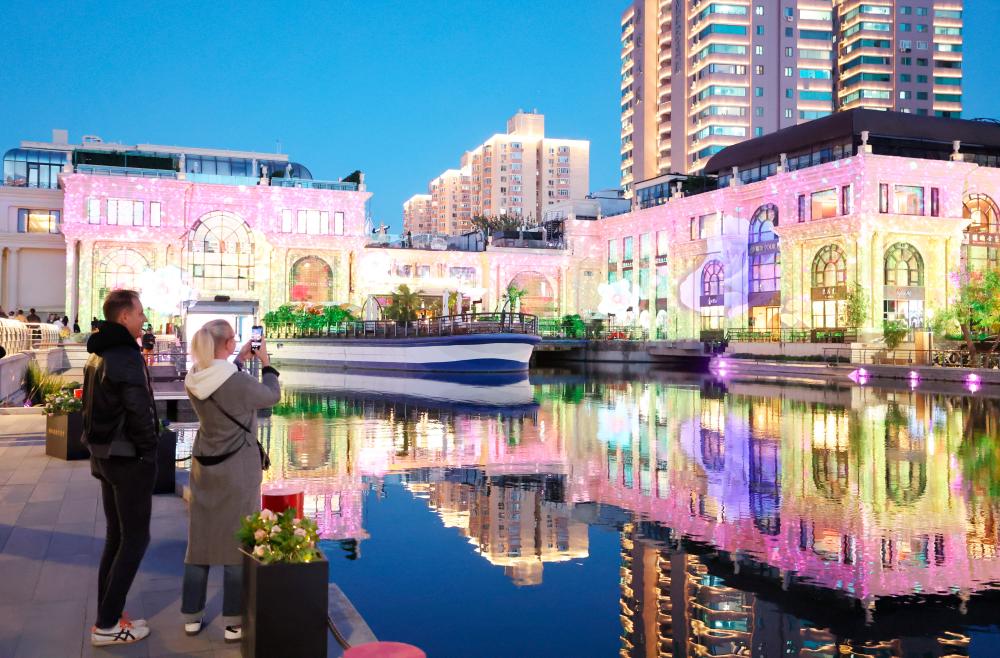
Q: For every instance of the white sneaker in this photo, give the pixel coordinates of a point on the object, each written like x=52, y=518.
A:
x=233, y=633
x=134, y=622
x=193, y=627
x=121, y=633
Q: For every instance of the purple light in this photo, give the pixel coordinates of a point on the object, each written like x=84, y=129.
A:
x=972, y=382
x=859, y=376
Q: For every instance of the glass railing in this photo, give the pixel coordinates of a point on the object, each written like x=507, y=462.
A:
x=310, y=184
x=99, y=170
x=220, y=179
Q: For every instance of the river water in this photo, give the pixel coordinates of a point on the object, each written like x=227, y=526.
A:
x=652, y=514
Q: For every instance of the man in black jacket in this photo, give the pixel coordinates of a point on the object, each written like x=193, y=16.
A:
x=121, y=430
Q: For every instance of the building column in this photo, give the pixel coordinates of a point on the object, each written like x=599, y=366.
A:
x=72, y=280
x=12, y=278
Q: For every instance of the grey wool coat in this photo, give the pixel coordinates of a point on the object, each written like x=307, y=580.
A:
x=224, y=493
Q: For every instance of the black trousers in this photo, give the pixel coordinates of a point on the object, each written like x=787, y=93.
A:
x=127, y=495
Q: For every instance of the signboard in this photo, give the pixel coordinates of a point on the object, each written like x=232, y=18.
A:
x=984, y=238
x=764, y=247
x=903, y=292
x=711, y=300
x=823, y=293
x=661, y=260
x=769, y=298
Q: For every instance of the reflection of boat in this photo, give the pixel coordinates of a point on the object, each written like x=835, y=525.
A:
x=469, y=393
x=473, y=342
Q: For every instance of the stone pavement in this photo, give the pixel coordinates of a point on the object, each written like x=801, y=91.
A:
x=51, y=537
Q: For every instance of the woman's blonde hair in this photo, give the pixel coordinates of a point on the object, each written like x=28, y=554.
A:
x=206, y=339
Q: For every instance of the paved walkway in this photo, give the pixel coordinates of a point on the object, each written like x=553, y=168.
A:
x=51, y=537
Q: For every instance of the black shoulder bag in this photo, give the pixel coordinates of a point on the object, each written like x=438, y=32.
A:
x=265, y=459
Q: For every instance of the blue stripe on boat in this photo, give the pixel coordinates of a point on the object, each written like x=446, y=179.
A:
x=402, y=341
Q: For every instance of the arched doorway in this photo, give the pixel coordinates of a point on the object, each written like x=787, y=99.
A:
x=764, y=298
x=904, y=285
x=829, y=288
x=311, y=280
x=981, y=250
x=539, y=295
x=118, y=270
x=712, y=300
x=220, y=253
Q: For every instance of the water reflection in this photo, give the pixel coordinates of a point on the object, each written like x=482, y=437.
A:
x=754, y=519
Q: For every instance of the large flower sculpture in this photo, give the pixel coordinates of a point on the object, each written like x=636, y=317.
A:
x=164, y=289
x=617, y=297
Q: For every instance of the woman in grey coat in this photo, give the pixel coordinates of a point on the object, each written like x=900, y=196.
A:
x=225, y=469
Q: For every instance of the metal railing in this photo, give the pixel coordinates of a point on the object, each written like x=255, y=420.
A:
x=554, y=331
x=518, y=243
x=43, y=335
x=125, y=171
x=308, y=183
x=221, y=179
x=791, y=335
x=445, y=325
x=946, y=358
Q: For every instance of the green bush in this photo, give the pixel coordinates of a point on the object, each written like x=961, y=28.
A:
x=893, y=332
x=39, y=384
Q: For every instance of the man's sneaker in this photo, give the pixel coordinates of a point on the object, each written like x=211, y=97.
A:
x=121, y=633
x=134, y=622
x=233, y=633
x=193, y=627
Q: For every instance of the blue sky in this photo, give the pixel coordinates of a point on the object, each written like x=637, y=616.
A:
x=398, y=89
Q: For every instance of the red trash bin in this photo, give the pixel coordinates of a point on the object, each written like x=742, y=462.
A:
x=280, y=499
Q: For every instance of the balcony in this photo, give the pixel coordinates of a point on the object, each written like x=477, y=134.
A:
x=99, y=170
x=220, y=179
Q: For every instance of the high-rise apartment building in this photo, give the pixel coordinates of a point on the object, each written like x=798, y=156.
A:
x=418, y=214
x=700, y=76
x=520, y=172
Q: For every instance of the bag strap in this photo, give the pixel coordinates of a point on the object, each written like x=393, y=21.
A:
x=227, y=414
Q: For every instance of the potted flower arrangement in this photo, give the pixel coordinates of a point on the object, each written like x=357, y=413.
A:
x=64, y=425
x=284, y=586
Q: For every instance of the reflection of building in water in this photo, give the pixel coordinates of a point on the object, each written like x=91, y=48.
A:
x=672, y=605
x=518, y=522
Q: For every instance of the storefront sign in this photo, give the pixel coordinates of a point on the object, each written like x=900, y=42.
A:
x=903, y=292
x=823, y=293
x=661, y=260
x=711, y=300
x=764, y=247
x=769, y=298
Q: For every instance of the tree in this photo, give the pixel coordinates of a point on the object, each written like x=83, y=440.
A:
x=513, y=297
x=403, y=305
x=489, y=224
x=978, y=304
x=856, y=311
x=893, y=332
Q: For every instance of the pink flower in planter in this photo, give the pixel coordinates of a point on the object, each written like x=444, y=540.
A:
x=300, y=532
x=259, y=551
x=260, y=535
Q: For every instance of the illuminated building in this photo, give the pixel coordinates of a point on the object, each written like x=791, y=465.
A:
x=697, y=78
x=520, y=173
x=889, y=202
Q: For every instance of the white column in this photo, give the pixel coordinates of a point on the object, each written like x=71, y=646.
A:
x=72, y=280
x=12, y=278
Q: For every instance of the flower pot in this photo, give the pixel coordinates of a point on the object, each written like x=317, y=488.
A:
x=62, y=436
x=284, y=608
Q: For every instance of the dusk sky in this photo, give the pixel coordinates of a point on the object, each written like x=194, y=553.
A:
x=396, y=89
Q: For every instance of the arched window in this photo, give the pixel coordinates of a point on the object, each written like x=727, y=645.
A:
x=539, y=296
x=829, y=267
x=311, y=280
x=983, y=212
x=118, y=270
x=711, y=278
x=762, y=224
x=220, y=252
x=981, y=252
x=903, y=266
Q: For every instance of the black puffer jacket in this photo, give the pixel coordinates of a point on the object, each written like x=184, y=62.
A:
x=119, y=415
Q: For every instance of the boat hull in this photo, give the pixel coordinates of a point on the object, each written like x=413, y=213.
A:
x=464, y=353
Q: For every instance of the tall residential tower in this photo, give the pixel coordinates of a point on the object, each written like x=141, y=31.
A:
x=744, y=68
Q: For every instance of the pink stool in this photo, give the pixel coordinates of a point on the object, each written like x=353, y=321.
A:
x=384, y=650
x=280, y=499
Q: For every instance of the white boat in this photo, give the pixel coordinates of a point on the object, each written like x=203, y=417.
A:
x=471, y=343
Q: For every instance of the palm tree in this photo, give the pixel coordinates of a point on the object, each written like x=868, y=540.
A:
x=403, y=305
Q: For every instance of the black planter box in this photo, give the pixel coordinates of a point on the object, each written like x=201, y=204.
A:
x=166, y=463
x=284, y=609
x=62, y=436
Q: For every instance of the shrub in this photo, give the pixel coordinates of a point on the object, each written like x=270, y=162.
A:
x=271, y=537
x=38, y=384
x=893, y=332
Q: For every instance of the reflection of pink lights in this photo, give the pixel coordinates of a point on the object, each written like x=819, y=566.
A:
x=914, y=379
x=973, y=382
x=859, y=376
x=720, y=367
